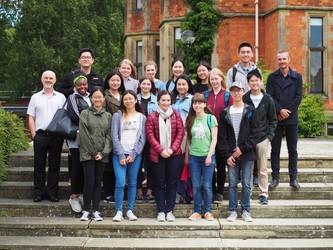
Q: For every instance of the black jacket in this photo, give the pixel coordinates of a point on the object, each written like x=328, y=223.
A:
x=67, y=86
x=267, y=119
x=248, y=134
x=286, y=93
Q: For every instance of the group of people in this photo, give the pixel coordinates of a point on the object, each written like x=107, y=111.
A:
x=167, y=129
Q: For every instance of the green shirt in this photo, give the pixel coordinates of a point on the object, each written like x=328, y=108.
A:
x=201, y=135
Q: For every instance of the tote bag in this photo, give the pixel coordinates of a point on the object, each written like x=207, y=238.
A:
x=62, y=124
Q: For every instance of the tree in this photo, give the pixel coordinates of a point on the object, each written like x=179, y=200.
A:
x=49, y=34
x=203, y=19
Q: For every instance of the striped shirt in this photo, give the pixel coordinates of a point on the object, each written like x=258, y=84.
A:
x=236, y=117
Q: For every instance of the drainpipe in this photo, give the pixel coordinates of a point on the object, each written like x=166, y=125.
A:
x=256, y=46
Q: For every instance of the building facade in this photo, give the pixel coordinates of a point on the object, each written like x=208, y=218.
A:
x=304, y=28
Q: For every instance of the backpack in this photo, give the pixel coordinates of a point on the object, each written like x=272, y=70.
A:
x=226, y=97
x=234, y=72
x=168, y=85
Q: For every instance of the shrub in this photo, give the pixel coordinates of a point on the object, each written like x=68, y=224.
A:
x=13, y=138
x=311, y=116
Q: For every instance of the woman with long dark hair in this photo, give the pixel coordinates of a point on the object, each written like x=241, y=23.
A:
x=128, y=137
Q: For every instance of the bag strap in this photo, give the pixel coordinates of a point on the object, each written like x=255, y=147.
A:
x=234, y=72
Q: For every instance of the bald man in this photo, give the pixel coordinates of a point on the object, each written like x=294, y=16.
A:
x=42, y=107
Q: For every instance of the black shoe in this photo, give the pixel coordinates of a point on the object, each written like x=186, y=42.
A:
x=218, y=198
x=109, y=199
x=52, y=198
x=294, y=184
x=274, y=183
x=38, y=198
x=139, y=198
x=255, y=181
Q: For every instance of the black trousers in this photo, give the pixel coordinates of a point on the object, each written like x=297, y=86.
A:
x=76, y=172
x=220, y=175
x=93, y=174
x=291, y=132
x=46, y=147
x=109, y=179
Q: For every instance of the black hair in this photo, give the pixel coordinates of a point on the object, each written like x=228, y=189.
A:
x=244, y=45
x=189, y=83
x=206, y=65
x=123, y=109
x=97, y=88
x=87, y=50
x=109, y=76
x=254, y=72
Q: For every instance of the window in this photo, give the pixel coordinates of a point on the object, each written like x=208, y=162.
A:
x=176, y=40
x=157, y=57
x=138, y=4
x=139, y=59
x=316, y=55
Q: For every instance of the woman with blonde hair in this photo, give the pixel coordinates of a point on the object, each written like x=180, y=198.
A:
x=218, y=98
x=127, y=71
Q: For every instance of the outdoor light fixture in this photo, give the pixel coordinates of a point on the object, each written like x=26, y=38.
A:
x=188, y=38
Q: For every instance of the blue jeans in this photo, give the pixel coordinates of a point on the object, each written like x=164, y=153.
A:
x=200, y=173
x=246, y=170
x=120, y=172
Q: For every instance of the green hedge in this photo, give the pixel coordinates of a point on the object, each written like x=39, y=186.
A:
x=311, y=116
x=13, y=138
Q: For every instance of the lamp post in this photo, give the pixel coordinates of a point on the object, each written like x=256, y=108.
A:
x=188, y=38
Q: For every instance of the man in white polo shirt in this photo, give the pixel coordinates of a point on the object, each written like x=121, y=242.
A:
x=42, y=107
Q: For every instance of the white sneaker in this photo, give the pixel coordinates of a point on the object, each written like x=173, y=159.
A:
x=131, y=216
x=161, y=217
x=232, y=217
x=170, y=217
x=246, y=216
x=75, y=204
x=85, y=216
x=118, y=217
x=96, y=216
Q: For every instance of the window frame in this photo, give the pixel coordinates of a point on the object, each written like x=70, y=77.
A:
x=322, y=49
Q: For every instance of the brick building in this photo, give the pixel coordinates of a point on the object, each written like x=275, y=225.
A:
x=303, y=27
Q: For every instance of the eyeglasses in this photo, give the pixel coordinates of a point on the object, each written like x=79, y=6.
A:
x=85, y=57
x=236, y=91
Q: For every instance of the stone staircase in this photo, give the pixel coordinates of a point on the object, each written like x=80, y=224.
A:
x=293, y=219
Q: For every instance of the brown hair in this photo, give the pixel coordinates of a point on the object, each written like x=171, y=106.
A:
x=198, y=97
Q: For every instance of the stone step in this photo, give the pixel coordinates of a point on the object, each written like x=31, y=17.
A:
x=323, y=175
x=24, y=190
x=47, y=242
x=275, y=209
x=25, y=159
x=181, y=228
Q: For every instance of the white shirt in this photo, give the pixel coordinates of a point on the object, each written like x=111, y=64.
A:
x=43, y=107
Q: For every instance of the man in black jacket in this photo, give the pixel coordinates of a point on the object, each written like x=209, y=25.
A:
x=267, y=121
x=285, y=86
x=86, y=60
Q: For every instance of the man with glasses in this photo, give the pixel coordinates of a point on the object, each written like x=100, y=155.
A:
x=238, y=135
x=86, y=60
